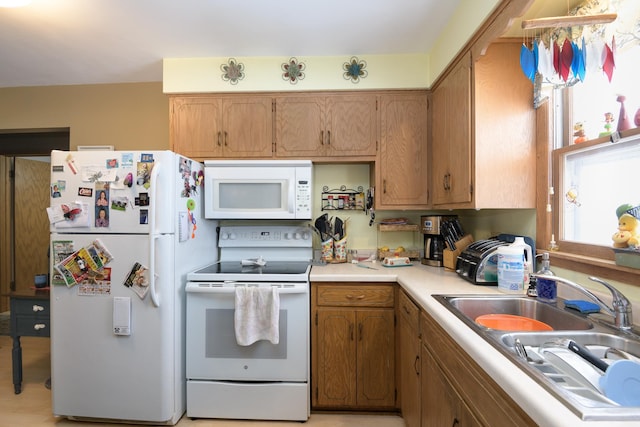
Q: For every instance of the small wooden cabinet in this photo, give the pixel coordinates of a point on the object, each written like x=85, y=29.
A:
x=209, y=126
x=483, y=133
x=401, y=170
x=409, y=360
x=353, y=340
x=317, y=126
x=30, y=317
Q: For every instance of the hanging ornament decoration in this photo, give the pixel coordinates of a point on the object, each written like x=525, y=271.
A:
x=232, y=71
x=293, y=70
x=609, y=63
x=571, y=47
x=354, y=70
x=528, y=62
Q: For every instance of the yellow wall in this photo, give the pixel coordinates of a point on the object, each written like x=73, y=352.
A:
x=128, y=116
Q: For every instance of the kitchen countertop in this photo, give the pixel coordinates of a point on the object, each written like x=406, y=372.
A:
x=421, y=282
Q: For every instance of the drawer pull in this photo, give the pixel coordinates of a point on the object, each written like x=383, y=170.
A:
x=406, y=310
x=37, y=308
x=359, y=297
x=39, y=326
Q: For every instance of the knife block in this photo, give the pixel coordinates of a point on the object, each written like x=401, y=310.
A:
x=450, y=258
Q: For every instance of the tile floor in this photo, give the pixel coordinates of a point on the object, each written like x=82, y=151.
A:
x=33, y=406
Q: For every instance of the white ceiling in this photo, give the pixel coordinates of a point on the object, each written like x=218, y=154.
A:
x=60, y=42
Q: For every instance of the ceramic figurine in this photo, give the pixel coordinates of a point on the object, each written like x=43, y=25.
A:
x=608, y=120
x=623, y=120
x=578, y=129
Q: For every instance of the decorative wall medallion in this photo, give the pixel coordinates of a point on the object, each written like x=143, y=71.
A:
x=293, y=70
x=233, y=71
x=355, y=69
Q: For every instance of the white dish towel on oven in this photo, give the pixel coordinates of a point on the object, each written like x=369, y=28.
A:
x=257, y=314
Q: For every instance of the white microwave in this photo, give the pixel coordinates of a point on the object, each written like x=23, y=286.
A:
x=258, y=189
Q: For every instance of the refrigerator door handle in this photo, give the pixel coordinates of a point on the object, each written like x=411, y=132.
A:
x=152, y=234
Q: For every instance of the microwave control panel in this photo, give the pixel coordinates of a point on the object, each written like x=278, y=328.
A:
x=303, y=198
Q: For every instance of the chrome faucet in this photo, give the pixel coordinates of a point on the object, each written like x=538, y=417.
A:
x=621, y=310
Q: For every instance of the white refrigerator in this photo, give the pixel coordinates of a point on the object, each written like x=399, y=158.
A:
x=126, y=228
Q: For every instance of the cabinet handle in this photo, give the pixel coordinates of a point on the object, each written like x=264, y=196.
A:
x=39, y=326
x=360, y=332
x=416, y=364
x=37, y=308
x=351, y=331
x=455, y=422
x=328, y=137
x=219, y=135
x=384, y=186
x=321, y=137
x=225, y=138
x=406, y=310
x=359, y=297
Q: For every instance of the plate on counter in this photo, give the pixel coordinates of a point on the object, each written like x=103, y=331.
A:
x=397, y=262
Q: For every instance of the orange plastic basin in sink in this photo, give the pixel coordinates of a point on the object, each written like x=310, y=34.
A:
x=510, y=322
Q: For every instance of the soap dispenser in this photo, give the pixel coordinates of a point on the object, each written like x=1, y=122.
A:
x=546, y=289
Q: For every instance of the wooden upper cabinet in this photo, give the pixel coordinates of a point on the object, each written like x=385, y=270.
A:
x=402, y=164
x=299, y=126
x=317, y=126
x=352, y=125
x=483, y=133
x=196, y=126
x=208, y=126
x=451, y=136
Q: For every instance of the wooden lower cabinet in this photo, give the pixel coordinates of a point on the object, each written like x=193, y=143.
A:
x=456, y=391
x=353, y=347
x=409, y=365
x=441, y=405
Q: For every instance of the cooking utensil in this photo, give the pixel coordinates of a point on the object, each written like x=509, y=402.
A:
x=339, y=228
x=366, y=266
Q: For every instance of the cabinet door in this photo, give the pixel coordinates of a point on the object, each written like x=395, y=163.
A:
x=451, y=137
x=248, y=127
x=196, y=126
x=409, y=364
x=336, y=358
x=401, y=167
x=300, y=127
x=352, y=125
x=375, y=358
x=441, y=405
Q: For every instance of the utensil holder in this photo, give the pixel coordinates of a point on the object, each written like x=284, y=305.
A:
x=450, y=257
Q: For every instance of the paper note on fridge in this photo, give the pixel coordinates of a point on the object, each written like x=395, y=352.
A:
x=98, y=173
x=69, y=215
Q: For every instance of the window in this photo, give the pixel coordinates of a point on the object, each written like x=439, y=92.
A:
x=593, y=176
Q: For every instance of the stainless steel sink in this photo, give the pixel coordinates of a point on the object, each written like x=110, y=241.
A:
x=471, y=307
x=563, y=373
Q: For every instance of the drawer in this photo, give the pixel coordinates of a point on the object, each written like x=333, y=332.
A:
x=31, y=326
x=409, y=311
x=356, y=295
x=30, y=306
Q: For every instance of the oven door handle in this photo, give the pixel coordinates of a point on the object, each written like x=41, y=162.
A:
x=231, y=289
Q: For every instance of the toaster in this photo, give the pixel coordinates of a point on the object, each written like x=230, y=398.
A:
x=478, y=263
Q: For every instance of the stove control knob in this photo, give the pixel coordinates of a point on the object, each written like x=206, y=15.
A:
x=232, y=236
x=306, y=235
x=287, y=236
x=296, y=236
x=224, y=236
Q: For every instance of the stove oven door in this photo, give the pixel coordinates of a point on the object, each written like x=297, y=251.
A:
x=212, y=352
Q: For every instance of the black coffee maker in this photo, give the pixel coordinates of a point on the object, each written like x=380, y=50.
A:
x=433, y=240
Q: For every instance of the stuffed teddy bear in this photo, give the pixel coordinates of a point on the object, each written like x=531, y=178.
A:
x=628, y=234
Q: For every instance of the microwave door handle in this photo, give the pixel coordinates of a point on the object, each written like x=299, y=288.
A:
x=152, y=234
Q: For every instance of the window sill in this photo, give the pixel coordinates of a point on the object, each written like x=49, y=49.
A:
x=603, y=268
